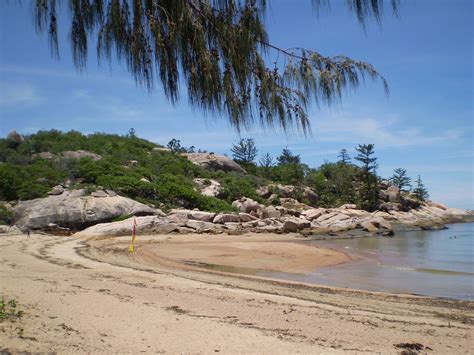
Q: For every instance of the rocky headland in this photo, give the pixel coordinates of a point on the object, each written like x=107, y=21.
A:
x=103, y=213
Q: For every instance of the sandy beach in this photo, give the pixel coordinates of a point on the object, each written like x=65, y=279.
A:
x=93, y=296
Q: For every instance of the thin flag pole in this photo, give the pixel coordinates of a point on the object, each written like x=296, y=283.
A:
x=131, y=248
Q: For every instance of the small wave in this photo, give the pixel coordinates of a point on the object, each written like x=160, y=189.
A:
x=445, y=272
x=405, y=268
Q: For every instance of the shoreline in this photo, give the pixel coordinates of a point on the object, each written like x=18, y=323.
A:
x=214, y=311
x=147, y=258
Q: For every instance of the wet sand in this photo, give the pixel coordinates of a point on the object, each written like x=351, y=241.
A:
x=277, y=253
x=92, y=296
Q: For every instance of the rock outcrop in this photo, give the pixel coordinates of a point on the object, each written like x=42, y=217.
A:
x=212, y=161
x=247, y=205
x=300, y=194
x=391, y=194
x=146, y=224
x=78, y=154
x=11, y=230
x=44, y=155
x=66, y=210
x=282, y=220
x=226, y=218
x=76, y=210
x=56, y=190
x=208, y=187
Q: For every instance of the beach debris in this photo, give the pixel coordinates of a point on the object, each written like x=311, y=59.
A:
x=411, y=348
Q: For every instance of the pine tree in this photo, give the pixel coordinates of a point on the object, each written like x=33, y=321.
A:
x=266, y=161
x=365, y=156
x=344, y=157
x=218, y=49
x=266, y=164
x=400, y=179
x=420, y=191
x=369, y=189
x=245, y=151
x=287, y=157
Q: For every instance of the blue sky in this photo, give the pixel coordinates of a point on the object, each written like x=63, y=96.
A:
x=425, y=125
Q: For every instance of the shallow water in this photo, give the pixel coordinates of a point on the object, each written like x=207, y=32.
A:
x=435, y=263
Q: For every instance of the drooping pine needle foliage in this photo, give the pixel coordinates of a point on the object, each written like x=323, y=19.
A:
x=218, y=49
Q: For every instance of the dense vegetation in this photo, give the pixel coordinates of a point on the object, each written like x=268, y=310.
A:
x=129, y=166
x=147, y=172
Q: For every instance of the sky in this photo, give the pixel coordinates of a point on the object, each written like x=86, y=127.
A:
x=425, y=125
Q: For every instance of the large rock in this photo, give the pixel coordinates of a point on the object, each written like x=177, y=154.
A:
x=201, y=226
x=289, y=227
x=369, y=226
x=212, y=161
x=335, y=218
x=146, y=224
x=245, y=217
x=390, y=206
x=312, y=213
x=226, y=218
x=181, y=216
x=348, y=206
x=293, y=224
x=44, y=155
x=9, y=230
x=310, y=196
x=437, y=205
x=246, y=205
x=271, y=212
x=56, y=190
x=409, y=202
x=391, y=194
x=208, y=187
x=289, y=191
x=78, y=154
x=201, y=216
x=264, y=191
x=99, y=193
x=376, y=224
x=74, y=211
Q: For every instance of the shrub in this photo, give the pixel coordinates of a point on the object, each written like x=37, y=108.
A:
x=6, y=216
x=236, y=186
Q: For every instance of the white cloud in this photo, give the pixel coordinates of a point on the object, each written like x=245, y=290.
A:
x=387, y=132
x=18, y=93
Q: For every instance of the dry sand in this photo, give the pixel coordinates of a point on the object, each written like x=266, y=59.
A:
x=92, y=296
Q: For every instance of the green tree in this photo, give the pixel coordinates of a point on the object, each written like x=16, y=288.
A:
x=245, y=151
x=266, y=163
x=131, y=133
x=9, y=181
x=289, y=169
x=344, y=157
x=420, y=191
x=287, y=157
x=400, y=179
x=365, y=156
x=218, y=49
x=369, y=189
x=334, y=183
x=174, y=145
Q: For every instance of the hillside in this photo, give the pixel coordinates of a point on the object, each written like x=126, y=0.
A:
x=31, y=166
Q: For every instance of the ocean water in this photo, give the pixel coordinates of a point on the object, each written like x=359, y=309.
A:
x=435, y=263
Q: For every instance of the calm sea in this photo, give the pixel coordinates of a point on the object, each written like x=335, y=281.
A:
x=435, y=263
